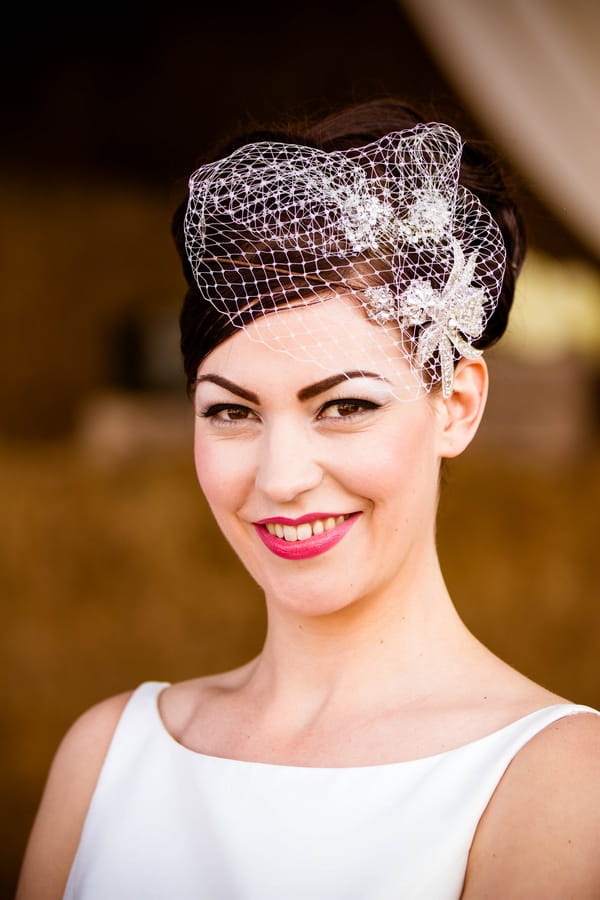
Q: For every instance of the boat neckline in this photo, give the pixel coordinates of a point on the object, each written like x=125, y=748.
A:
x=569, y=709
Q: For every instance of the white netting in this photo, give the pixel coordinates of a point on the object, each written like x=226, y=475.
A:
x=387, y=227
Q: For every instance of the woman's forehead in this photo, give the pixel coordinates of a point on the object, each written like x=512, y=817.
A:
x=310, y=342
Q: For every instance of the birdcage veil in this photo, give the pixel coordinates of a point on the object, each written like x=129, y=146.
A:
x=386, y=226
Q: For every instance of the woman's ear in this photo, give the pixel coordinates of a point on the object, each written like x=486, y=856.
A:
x=463, y=409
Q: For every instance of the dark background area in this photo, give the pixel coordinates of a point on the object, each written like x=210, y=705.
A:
x=137, y=92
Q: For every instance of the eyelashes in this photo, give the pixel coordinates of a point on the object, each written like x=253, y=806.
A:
x=344, y=409
x=235, y=412
x=347, y=408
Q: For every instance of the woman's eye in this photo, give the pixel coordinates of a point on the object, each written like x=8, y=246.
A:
x=345, y=409
x=227, y=412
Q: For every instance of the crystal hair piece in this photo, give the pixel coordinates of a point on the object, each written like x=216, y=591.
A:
x=387, y=227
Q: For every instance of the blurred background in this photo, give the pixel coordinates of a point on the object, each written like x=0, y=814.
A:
x=111, y=571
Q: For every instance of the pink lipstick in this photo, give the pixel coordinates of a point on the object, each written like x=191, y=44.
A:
x=305, y=548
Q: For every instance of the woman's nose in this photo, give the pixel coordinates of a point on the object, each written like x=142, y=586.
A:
x=287, y=464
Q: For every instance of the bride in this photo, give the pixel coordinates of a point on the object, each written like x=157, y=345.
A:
x=343, y=283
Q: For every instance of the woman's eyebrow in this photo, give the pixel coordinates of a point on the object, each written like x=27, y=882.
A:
x=229, y=386
x=320, y=386
x=307, y=393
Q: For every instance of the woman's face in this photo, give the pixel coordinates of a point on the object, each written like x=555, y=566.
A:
x=324, y=483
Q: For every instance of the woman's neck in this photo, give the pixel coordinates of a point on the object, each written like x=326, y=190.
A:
x=393, y=643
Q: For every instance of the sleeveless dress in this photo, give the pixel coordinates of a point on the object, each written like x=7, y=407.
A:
x=167, y=823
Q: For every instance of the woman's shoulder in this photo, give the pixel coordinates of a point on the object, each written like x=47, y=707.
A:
x=542, y=824
x=69, y=787
x=85, y=744
x=83, y=748
x=96, y=725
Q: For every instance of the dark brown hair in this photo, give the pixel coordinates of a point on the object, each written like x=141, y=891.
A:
x=203, y=328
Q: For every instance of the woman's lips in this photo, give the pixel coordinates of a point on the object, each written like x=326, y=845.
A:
x=307, y=536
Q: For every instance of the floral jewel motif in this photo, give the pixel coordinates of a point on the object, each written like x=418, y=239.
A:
x=428, y=219
x=365, y=220
x=444, y=316
x=381, y=305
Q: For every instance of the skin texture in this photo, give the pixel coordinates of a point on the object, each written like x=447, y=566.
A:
x=365, y=659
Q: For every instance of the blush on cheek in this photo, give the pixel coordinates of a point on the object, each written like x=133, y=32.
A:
x=208, y=471
x=224, y=483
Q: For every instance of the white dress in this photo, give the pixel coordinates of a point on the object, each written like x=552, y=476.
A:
x=166, y=823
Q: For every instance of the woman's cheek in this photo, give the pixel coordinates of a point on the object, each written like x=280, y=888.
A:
x=223, y=476
x=207, y=469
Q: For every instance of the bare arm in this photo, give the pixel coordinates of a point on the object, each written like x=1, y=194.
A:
x=71, y=781
x=540, y=835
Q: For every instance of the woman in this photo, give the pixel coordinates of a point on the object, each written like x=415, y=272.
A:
x=343, y=283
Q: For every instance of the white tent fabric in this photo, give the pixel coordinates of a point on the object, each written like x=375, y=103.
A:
x=529, y=70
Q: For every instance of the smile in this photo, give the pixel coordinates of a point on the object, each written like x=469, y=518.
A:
x=305, y=530
x=307, y=538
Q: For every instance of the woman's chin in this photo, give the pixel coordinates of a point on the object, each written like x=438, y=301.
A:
x=315, y=606
x=312, y=598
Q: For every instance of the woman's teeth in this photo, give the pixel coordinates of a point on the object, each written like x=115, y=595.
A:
x=304, y=531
